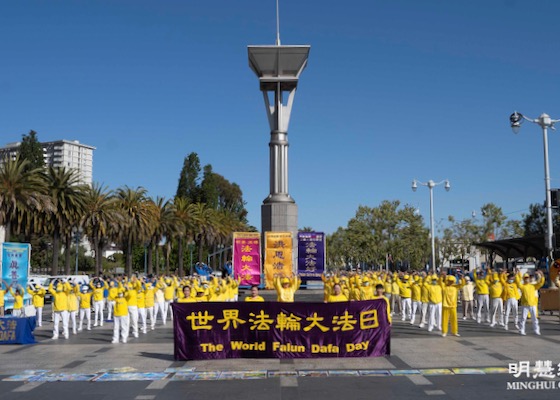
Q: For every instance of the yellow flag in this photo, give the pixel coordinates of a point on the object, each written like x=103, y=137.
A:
x=278, y=256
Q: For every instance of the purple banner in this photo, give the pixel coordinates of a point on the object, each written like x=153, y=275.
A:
x=280, y=330
x=311, y=255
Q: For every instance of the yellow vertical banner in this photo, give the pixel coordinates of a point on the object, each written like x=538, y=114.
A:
x=278, y=256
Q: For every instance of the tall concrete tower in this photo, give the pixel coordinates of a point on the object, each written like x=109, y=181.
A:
x=278, y=69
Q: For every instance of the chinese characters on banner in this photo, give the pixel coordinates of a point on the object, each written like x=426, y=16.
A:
x=278, y=256
x=280, y=330
x=311, y=255
x=247, y=257
x=15, y=266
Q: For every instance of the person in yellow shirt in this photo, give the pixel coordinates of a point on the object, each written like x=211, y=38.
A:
x=120, y=318
x=111, y=296
x=496, y=290
x=467, y=298
x=380, y=294
x=131, y=295
x=141, y=304
x=511, y=296
x=435, y=299
x=73, y=306
x=170, y=284
x=396, y=295
x=60, y=307
x=98, y=300
x=387, y=286
x=38, y=293
x=424, y=298
x=286, y=288
x=368, y=290
x=405, y=294
x=3, y=287
x=450, y=292
x=149, y=296
x=529, y=301
x=337, y=295
x=85, y=307
x=254, y=295
x=187, y=296
x=17, y=294
x=482, y=295
x=416, y=297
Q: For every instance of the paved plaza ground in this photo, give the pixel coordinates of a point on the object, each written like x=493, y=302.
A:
x=421, y=365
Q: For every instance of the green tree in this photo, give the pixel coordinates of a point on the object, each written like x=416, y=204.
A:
x=68, y=199
x=189, y=178
x=32, y=151
x=221, y=194
x=23, y=192
x=99, y=217
x=135, y=213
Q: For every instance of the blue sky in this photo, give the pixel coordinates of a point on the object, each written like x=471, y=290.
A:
x=394, y=90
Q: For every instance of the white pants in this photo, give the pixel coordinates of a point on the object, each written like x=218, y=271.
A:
x=158, y=309
x=406, y=308
x=483, y=300
x=150, y=311
x=415, y=306
x=435, y=316
x=142, y=317
x=85, y=312
x=166, y=309
x=424, y=313
x=120, y=325
x=110, y=308
x=17, y=313
x=60, y=316
x=98, y=309
x=512, y=306
x=497, y=310
x=534, y=314
x=39, y=315
x=72, y=318
x=133, y=319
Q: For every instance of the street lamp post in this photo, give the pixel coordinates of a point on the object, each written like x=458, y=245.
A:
x=431, y=184
x=77, y=231
x=545, y=122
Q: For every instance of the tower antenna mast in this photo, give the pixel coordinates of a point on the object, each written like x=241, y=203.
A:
x=277, y=24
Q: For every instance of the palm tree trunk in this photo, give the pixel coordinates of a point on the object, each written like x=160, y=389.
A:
x=167, y=253
x=8, y=228
x=56, y=250
x=150, y=259
x=157, y=260
x=180, y=256
x=128, y=260
x=67, y=248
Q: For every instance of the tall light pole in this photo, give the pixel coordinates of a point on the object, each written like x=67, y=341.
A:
x=77, y=231
x=431, y=184
x=545, y=122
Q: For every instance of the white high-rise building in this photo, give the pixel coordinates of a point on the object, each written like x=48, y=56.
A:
x=70, y=154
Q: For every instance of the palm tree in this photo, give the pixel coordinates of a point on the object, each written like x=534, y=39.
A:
x=22, y=193
x=67, y=197
x=183, y=212
x=100, y=215
x=164, y=223
x=135, y=211
x=205, y=226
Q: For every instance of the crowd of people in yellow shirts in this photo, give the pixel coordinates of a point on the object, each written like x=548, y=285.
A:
x=434, y=298
x=426, y=299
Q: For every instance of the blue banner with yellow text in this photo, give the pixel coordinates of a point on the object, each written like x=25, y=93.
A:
x=311, y=255
x=281, y=330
